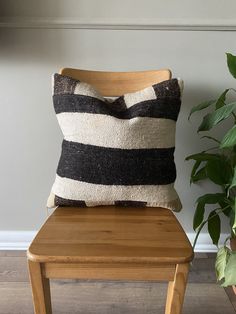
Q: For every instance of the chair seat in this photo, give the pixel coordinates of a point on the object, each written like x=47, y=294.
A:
x=111, y=234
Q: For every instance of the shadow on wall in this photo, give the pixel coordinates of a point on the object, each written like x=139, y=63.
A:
x=54, y=8
x=32, y=46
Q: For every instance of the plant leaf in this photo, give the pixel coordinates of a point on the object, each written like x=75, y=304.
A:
x=230, y=271
x=226, y=211
x=195, y=167
x=229, y=139
x=219, y=171
x=233, y=182
x=201, y=202
x=213, y=118
x=211, y=138
x=231, y=62
x=214, y=227
x=202, y=156
x=199, y=175
x=201, y=106
x=221, y=100
x=211, y=198
x=198, y=215
x=234, y=219
x=221, y=261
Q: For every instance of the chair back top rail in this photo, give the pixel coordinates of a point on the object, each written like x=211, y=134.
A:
x=113, y=84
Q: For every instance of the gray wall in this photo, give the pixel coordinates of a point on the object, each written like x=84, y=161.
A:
x=185, y=36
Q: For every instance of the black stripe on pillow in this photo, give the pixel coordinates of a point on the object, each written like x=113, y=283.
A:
x=131, y=203
x=64, y=84
x=167, y=108
x=169, y=88
x=114, y=166
x=60, y=201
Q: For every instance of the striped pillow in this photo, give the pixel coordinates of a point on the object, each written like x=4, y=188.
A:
x=116, y=152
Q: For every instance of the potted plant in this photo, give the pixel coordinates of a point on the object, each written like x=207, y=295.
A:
x=218, y=164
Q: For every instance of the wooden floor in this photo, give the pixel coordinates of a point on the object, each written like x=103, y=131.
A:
x=203, y=295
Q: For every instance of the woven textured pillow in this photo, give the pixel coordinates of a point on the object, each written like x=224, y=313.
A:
x=116, y=152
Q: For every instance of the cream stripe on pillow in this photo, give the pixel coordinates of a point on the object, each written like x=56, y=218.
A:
x=107, y=131
x=143, y=95
x=97, y=193
x=86, y=90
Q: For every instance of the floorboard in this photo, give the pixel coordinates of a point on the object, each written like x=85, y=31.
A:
x=114, y=298
x=231, y=296
x=203, y=296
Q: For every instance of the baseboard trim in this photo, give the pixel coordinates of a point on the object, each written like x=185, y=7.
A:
x=204, y=243
x=20, y=240
x=16, y=240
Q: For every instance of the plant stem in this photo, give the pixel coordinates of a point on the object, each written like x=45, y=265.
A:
x=227, y=240
x=205, y=221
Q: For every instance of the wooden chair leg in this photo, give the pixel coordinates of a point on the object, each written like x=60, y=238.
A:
x=40, y=289
x=176, y=290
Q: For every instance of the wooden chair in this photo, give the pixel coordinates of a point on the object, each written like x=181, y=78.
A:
x=111, y=243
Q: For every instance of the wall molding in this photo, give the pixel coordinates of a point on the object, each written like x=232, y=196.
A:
x=20, y=240
x=119, y=23
x=16, y=240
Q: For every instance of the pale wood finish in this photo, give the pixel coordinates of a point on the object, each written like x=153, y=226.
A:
x=40, y=289
x=13, y=268
x=112, y=271
x=111, y=242
x=176, y=290
x=118, y=83
x=111, y=234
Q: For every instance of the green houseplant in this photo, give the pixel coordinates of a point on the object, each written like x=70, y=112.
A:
x=218, y=164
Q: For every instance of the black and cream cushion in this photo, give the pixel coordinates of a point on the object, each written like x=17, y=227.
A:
x=116, y=152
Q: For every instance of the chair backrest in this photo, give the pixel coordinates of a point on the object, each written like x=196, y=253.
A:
x=118, y=83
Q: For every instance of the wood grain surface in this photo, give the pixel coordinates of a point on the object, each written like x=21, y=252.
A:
x=111, y=235
x=118, y=83
x=89, y=297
